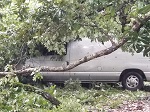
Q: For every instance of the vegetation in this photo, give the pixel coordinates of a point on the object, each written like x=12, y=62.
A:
x=73, y=97
x=28, y=26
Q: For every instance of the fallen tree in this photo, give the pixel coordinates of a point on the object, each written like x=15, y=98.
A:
x=71, y=65
x=50, y=27
x=45, y=94
x=135, y=28
x=38, y=91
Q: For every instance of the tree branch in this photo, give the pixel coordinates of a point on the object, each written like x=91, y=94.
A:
x=104, y=7
x=82, y=60
x=122, y=15
x=41, y=92
x=71, y=65
x=137, y=24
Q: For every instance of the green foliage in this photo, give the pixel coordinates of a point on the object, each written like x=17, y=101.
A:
x=70, y=105
x=16, y=98
x=37, y=76
x=73, y=84
x=100, y=99
x=144, y=10
x=26, y=24
x=13, y=98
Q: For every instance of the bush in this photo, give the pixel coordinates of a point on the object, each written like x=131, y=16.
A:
x=73, y=84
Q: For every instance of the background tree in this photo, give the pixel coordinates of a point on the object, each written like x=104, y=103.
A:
x=25, y=24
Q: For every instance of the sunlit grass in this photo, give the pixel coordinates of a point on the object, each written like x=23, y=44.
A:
x=105, y=97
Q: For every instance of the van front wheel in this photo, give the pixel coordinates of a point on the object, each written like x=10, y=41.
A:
x=132, y=81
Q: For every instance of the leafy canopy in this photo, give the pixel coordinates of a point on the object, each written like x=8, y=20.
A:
x=26, y=25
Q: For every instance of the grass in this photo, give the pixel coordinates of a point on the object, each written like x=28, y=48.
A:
x=73, y=97
x=102, y=98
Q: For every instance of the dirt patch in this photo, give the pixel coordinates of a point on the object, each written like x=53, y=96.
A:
x=134, y=106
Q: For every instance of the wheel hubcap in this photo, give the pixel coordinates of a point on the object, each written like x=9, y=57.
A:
x=132, y=81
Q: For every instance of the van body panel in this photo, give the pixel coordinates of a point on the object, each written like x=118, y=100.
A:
x=51, y=61
x=147, y=74
x=106, y=68
x=55, y=76
x=95, y=76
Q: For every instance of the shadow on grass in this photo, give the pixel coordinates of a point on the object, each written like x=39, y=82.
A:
x=146, y=88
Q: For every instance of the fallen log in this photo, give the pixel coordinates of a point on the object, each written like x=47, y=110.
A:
x=38, y=91
x=71, y=65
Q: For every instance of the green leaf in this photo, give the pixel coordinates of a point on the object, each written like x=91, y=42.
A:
x=144, y=10
x=58, y=1
x=139, y=48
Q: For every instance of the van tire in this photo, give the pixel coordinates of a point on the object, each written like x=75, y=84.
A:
x=132, y=81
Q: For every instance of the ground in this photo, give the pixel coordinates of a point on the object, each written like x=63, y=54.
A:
x=141, y=104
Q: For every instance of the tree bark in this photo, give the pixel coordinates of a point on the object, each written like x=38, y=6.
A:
x=136, y=27
x=71, y=65
x=41, y=92
x=114, y=47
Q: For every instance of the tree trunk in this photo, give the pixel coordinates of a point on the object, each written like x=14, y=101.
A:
x=135, y=28
x=41, y=92
x=71, y=65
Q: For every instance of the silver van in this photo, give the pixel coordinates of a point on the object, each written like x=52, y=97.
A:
x=118, y=66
